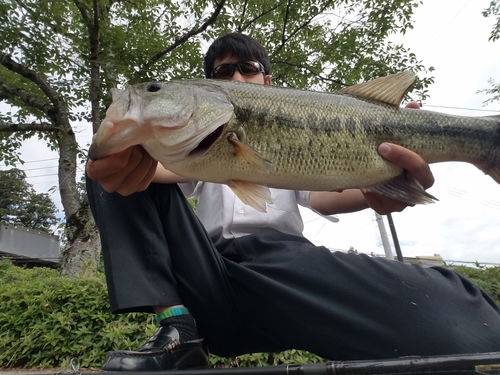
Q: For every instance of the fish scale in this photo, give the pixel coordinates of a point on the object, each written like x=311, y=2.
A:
x=252, y=137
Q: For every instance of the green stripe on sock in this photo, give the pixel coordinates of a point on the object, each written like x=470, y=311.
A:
x=173, y=311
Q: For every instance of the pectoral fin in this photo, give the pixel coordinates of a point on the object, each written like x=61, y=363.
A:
x=247, y=153
x=403, y=188
x=254, y=195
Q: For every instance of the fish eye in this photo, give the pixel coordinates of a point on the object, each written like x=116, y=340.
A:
x=154, y=87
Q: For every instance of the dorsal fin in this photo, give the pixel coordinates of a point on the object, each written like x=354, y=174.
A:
x=389, y=90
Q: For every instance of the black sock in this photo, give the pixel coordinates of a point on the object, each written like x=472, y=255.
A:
x=184, y=323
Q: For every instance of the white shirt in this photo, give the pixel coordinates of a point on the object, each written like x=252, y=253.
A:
x=225, y=216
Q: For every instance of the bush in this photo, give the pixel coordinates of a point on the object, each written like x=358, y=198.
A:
x=487, y=278
x=51, y=319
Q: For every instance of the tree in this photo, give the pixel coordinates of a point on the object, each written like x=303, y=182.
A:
x=21, y=205
x=493, y=10
x=58, y=60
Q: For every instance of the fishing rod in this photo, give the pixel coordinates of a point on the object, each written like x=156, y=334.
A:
x=460, y=364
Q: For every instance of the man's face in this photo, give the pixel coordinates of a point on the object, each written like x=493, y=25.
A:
x=237, y=76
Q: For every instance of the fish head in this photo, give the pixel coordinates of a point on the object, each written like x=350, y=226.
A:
x=169, y=120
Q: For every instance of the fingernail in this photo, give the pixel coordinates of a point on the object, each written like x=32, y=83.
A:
x=384, y=148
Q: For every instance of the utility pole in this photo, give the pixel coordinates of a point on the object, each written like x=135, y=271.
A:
x=385, y=239
x=383, y=235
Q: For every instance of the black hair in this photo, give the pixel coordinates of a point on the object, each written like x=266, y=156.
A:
x=240, y=45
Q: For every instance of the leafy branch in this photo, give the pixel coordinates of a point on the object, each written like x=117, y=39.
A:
x=183, y=39
x=9, y=92
x=285, y=39
x=242, y=28
x=26, y=127
x=31, y=75
x=93, y=29
x=311, y=71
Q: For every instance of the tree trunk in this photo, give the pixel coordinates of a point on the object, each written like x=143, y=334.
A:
x=81, y=253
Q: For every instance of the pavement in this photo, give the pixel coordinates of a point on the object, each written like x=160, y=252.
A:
x=72, y=369
x=30, y=371
x=44, y=371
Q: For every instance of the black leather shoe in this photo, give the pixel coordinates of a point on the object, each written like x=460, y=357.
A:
x=163, y=351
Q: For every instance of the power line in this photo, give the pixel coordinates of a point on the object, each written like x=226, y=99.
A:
x=459, y=108
x=430, y=45
x=31, y=161
x=36, y=169
x=463, y=194
x=44, y=175
x=52, y=183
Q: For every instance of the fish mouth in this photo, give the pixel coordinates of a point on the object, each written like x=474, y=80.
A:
x=207, y=142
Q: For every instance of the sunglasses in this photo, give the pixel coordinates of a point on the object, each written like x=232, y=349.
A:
x=246, y=68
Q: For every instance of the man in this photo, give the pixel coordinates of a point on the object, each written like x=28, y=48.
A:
x=251, y=281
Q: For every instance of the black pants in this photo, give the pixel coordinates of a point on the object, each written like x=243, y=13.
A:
x=271, y=292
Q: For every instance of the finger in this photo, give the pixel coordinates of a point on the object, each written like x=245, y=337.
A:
x=149, y=176
x=384, y=205
x=140, y=177
x=413, y=105
x=109, y=165
x=408, y=160
x=117, y=182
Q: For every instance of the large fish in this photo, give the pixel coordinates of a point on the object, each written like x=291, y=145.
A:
x=252, y=137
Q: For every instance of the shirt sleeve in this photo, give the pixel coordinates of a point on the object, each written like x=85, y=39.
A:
x=303, y=200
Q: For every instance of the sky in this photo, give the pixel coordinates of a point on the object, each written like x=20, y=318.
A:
x=464, y=225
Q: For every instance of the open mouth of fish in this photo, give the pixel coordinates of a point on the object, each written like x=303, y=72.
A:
x=207, y=142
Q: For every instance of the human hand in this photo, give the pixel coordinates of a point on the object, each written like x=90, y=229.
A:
x=406, y=159
x=409, y=161
x=125, y=172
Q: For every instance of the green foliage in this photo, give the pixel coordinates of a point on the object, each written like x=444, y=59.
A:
x=59, y=59
x=10, y=143
x=487, y=278
x=50, y=319
x=313, y=43
x=193, y=202
x=287, y=357
x=493, y=10
x=21, y=205
x=494, y=90
x=325, y=45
